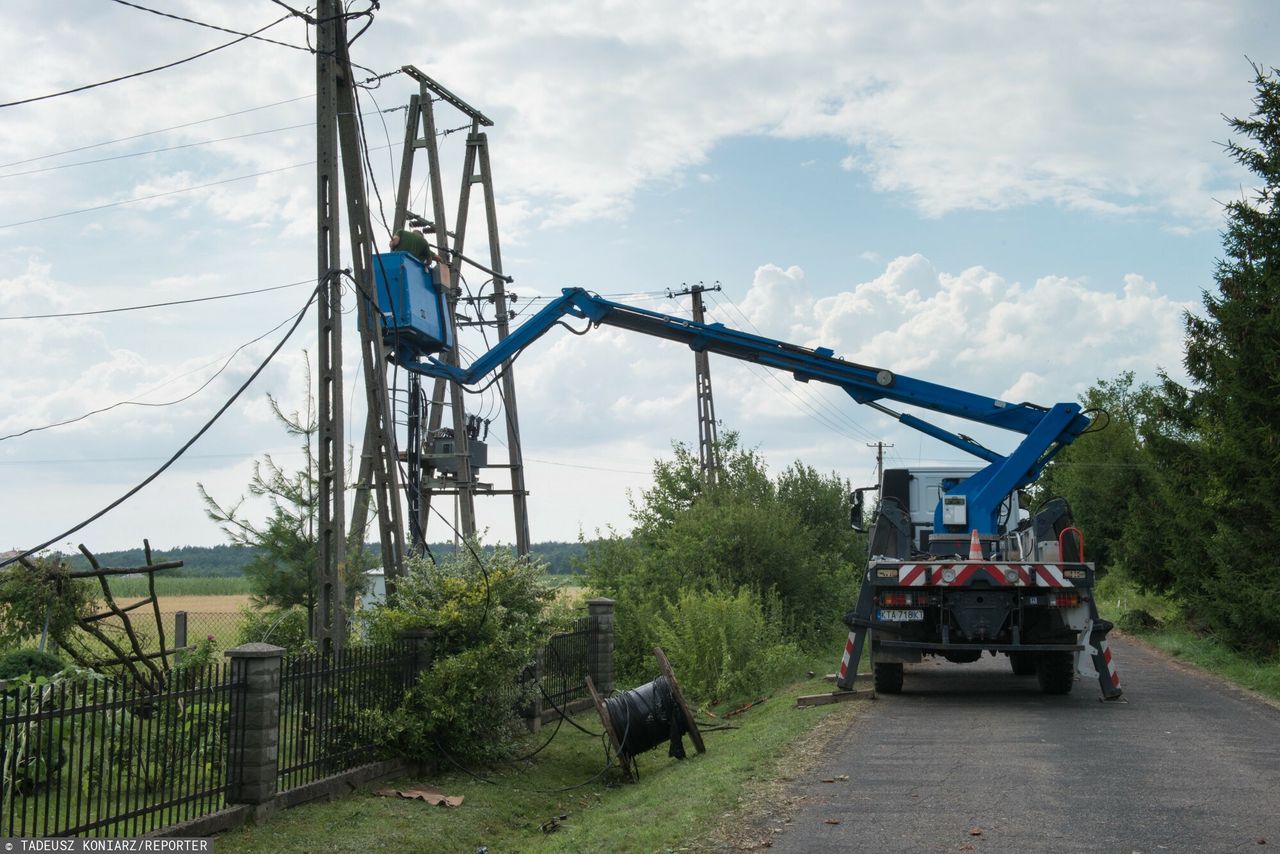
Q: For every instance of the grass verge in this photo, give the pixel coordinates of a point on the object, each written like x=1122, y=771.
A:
x=676, y=805
x=1159, y=622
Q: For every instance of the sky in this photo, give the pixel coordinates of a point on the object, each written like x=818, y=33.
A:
x=1012, y=198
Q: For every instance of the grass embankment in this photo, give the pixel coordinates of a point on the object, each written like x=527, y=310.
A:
x=1121, y=601
x=674, y=805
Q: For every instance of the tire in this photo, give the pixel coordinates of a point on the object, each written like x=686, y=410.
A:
x=1056, y=672
x=1022, y=663
x=888, y=678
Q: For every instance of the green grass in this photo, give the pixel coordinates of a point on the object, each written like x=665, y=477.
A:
x=128, y=586
x=673, y=805
x=1118, y=598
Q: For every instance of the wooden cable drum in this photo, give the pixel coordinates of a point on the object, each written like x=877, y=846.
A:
x=640, y=719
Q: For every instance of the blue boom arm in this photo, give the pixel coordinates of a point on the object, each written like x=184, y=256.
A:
x=1045, y=430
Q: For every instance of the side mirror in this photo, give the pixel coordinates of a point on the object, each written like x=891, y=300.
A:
x=855, y=509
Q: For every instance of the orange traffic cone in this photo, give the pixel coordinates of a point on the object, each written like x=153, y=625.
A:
x=975, y=546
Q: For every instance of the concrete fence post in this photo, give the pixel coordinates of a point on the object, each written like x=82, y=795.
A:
x=179, y=634
x=254, y=742
x=600, y=643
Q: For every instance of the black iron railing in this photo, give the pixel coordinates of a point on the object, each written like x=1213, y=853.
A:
x=101, y=758
x=330, y=708
x=565, y=665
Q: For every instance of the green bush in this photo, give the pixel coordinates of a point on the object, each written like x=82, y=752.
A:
x=724, y=646
x=284, y=627
x=32, y=662
x=786, y=539
x=485, y=622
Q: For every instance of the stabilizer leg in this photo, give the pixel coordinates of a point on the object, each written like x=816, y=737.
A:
x=1108, y=676
x=856, y=620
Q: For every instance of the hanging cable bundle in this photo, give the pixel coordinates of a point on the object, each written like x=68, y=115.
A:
x=647, y=716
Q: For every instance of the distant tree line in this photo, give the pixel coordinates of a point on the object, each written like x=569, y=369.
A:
x=232, y=560
x=1180, y=489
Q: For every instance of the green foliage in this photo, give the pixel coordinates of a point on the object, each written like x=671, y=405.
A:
x=485, y=623
x=284, y=627
x=36, y=590
x=1215, y=443
x=29, y=662
x=726, y=646
x=785, y=540
x=1106, y=474
x=198, y=561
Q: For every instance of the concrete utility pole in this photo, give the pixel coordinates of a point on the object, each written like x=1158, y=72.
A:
x=708, y=441
x=379, y=461
x=329, y=628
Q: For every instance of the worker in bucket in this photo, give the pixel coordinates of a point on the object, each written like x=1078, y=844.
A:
x=414, y=243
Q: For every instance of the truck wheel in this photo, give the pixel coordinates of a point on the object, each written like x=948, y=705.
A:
x=1056, y=672
x=888, y=678
x=1023, y=663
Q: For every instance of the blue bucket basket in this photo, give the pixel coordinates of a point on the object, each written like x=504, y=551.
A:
x=413, y=309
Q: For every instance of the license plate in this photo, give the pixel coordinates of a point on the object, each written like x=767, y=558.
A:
x=887, y=615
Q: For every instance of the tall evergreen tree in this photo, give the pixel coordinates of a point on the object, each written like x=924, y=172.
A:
x=1231, y=468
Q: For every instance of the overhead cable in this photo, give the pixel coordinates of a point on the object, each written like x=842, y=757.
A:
x=212, y=26
x=157, y=131
x=182, y=450
x=136, y=402
x=209, y=298
x=88, y=86
x=170, y=148
x=148, y=198
x=156, y=150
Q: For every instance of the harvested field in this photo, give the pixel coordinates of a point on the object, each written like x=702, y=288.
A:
x=199, y=604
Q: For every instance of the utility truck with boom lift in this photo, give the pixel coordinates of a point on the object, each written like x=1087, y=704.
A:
x=953, y=570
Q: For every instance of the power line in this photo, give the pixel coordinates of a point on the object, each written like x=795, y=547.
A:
x=82, y=460
x=156, y=150
x=212, y=26
x=147, y=71
x=158, y=131
x=148, y=198
x=155, y=304
x=136, y=402
x=182, y=450
x=771, y=377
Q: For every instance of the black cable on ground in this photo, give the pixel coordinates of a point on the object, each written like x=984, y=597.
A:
x=182, y=450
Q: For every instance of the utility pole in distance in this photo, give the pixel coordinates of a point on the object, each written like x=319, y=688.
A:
x=708, y=441
x=879, y=446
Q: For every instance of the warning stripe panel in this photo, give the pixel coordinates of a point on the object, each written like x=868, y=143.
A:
x=1027, y=574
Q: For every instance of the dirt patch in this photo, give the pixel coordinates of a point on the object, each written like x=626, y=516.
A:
x=200, y=604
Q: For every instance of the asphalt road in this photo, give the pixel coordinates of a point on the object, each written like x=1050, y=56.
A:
x=972, y=758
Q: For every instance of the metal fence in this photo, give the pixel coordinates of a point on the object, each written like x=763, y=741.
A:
x=565, y=665
x=102, y=758
x=561, y=666
x=329, y=708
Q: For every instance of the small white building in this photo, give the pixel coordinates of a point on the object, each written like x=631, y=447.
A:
x=377, y=592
